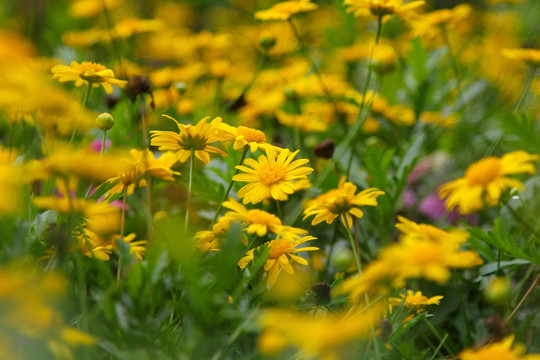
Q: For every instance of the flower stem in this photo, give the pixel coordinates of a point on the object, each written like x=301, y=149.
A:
x=366, y=87
x=279, y=210
x=531, y=288
x=85, y=99
x=438, y=336
x=190, y=184
x=41, y=137
x=355, y=250
x=226, y=194
x=525, y=91
x=303, y=49
x=122, y=230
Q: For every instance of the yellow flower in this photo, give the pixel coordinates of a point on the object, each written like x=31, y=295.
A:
x=197, y=138
x=486, y=180
x=272, y=176
x=89, y=8
x=423, y=251
x=88, y=72
x=142, y=162
x=322, y=337
x=341, y=202
x=285, y=9
x=499, y=350
x=529, y=56
x=311, y=122
x=436, y=118
x=243, y=136
x=415, y=301
x=258, y=221
x=382, y=7
x=281, y=249
x=210, y=240
x=11, y=179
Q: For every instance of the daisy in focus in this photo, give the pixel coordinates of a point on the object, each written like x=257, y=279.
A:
x=485, y=180
x=88, y=72
x=285, y=10
x=271, y=175
x=342, y=202
x=282, y=249
x=362, y=8
x=244, y=136
x=415, y=301
x=196, y=139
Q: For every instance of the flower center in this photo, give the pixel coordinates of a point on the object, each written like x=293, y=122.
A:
x=257, y=216
x=340, y=205
x=270, y=174
x=279, y=247
x=191, y=141
x=91, y=67
x=484, y=171
x=251, y=135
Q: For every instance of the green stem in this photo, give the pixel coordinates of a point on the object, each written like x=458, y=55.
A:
x=438, y=336
x=441, y=343
x=454, y=63
x=366, y=87
x=279, y=210
x=525, y=91
x=355, y=251
x=85, y=99
x=303, y=49
x=522, y=221
x=41, y=137
x=190, y=184
x=246, y=148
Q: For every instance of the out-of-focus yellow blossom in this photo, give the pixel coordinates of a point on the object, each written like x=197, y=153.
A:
x=438, y=119
x=499, y=350
x=93, y=245
x=101, y=218
x=485, y=180
x=381, y=8
x=281, y=250
x=285, y=10
x=83, y=38
x=140, y=163
x=430, y=27
x=423, y=251
x=210, y=240
x=12, y=178
x=342, y=202
x=401, y=115
x=88, y=73
x=14, y=48
x=311, y=122
x=384, y=59
x=529, y=56
x=129, y=27
x=78, y=163
x=322, y=337
x=89, y=8
x=191, y=138
x=271, y=176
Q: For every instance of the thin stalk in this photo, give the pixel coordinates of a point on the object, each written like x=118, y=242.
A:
x=522, y=221
x=438, y=336
x=526, y=87
x=101, y=151
x=122, y=230
x=260, y=66
x=190, y=184
x=41, y=137
x=439, y=347
x=279, y=210
x=531, y=288
x=455, y=68
x=355, y=251
x=303, y=49
x=366, y=87
x=85, y=99
x=228, y=190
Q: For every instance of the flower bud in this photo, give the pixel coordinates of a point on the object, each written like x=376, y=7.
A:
x=105, y=121
x=342, y=259
x=267, y=41
x=322, y=292
x=499, y=290
x=325, y=149
x=290, y=94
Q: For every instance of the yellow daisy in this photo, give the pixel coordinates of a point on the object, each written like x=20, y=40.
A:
x=243, y=136
x=258, y=221
x=281, y=250
x=499, y=350
x=197, y=138
x=88, y=73
x=285, y=9
x=486, y=180
x=415, y=301
x=341, y=202
x=382, y=7
x=271, y=176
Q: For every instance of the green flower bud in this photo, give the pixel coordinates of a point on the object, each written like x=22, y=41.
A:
x=499, y=290
x=342, y=259
x=105, y=121
x=267, y=41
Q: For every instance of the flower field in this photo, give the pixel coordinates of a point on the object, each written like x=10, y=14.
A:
x=255, y=179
